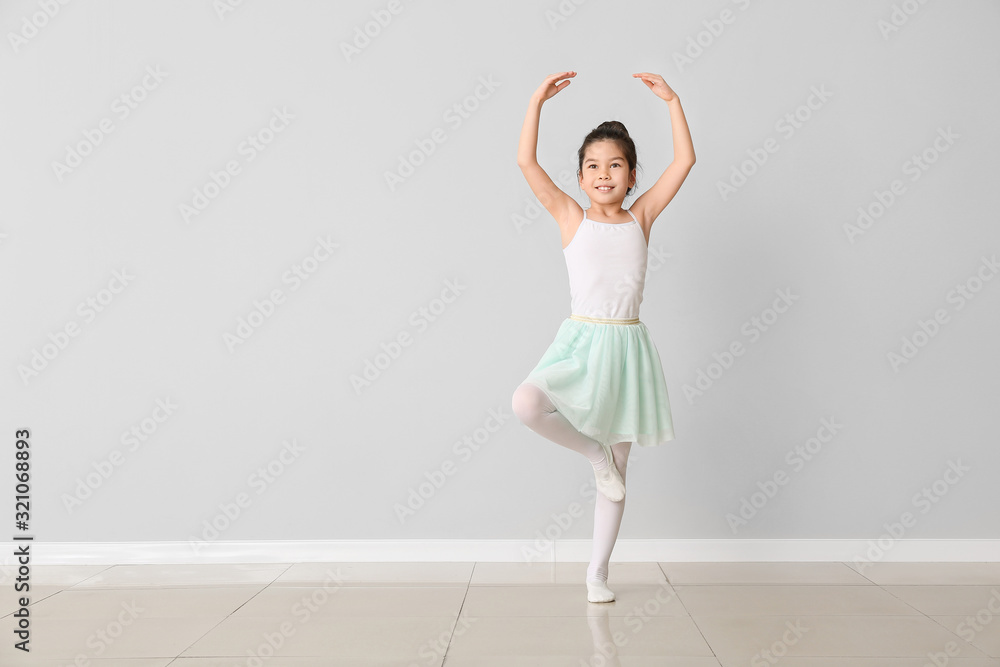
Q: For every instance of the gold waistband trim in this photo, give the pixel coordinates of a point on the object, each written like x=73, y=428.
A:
x=604, y=320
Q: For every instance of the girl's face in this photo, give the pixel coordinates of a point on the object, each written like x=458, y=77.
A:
x=605, y=176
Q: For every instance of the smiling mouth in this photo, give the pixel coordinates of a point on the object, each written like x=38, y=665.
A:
x=605, y=188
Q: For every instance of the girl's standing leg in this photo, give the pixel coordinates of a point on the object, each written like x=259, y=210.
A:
x=607, y=521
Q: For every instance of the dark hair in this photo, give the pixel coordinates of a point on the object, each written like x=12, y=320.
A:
x=610, y=130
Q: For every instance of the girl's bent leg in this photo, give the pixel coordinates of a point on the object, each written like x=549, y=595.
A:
x=532, y=406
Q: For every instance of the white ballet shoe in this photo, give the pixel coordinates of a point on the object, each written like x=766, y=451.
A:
x=598, y=591
x=609, y=480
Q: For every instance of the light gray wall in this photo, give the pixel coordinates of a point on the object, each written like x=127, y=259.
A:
x=465, y=216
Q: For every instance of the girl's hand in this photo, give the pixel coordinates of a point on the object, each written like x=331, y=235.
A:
x=657, y=85
x=549, y=87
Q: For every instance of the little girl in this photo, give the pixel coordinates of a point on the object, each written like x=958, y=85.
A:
x=600, y=386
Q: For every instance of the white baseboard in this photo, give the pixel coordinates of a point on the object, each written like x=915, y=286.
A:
x=626, y=550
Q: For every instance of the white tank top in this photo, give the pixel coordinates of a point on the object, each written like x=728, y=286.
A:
x=606, y=262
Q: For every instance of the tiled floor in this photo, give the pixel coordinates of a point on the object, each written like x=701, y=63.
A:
x=509, y=614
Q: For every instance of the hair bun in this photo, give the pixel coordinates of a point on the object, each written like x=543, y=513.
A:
x=614, y=126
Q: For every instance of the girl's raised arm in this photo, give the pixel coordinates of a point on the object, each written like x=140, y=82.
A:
x=651, y=203
x=555, y=201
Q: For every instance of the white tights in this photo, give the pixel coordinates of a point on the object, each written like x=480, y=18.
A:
x=532, y=406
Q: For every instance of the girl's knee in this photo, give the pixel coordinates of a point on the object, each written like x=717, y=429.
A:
x=528, y=402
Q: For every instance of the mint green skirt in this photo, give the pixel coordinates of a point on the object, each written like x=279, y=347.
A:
x=607, y=380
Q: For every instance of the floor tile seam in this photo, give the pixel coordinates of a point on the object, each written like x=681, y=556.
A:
x=458, y=616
